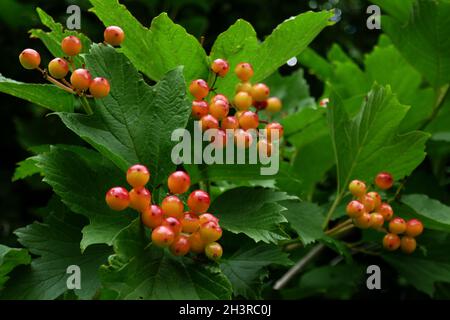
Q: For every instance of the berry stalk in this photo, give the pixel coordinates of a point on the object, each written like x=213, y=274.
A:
x=86, y=106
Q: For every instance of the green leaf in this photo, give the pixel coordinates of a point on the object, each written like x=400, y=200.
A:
x=44, y=95
x=9, y=259
x=158, y=49
x=142, y=271
x=400, y=9
x=134, y=123
x=56, y=242
x=432, y=213
x=81, y=178
x=26, y=168
x=252, y=211
x=244, y=267
x=370, y=143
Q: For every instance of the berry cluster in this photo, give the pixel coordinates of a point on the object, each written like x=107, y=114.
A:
x=81, y=80
x=368, y=211
x=173, y=227
x=217, y=114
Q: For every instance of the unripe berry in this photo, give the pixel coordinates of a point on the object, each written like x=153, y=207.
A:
x=368, y=202
x=264, y=148
x=397, y=225
x=386, y=211
x=117, y=198
x=197, y=245
x=249, y=120
x=244, y=87
x=210, y=232
x=190, y=222
x=376, y=220
x=363, y=221
x=198, y=201
x=384, y=180
x=244, y=71
x=220, y=66
x=355, y=209
x=99, y=87
x=71, y=45
x=242, y=100
x=172, y=223
x=230, y=122
x=199, y=89
x=408, y=244
x=206, y=217
x=200, y=108
x=163, y=236
x=242, y=138
x=180, y=246
x=152, y=217
x=391, y=242
x=138, y=176
x=58, y=68
x=219, y=109
x=414, y=228
x=274, y=127
x=172, y=206
x=213, y=251
x=376, y=197
x=30, y=59
x=179, y=182
x=114, y=35
x=273, y=104
x=209, y=122
x=140, y=199
x=260, y=92
x=81, y=79
x=357, y=188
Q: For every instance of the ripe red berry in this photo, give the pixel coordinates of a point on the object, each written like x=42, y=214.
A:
x=172, y=223
x=376, y=220
x=368, y=202
x=58, y=68
x=190, y=222
x=386, y=211
x=242, y=100
x=391, y=242
x=30, y=59
x=209, y=122
x=244, y=87
x=180, y=246
x=260, y=105
x=230, y=122
x=172, y=206
x=117, y=198
x=363, y=221
x=414, y=228
x=138, y=176
x=81, y=79
x=71, y=45
x=140, y=199
x=179, y=182
x=198, y=201
x=260, y=92
x=152, y=217
x=219, y=109
x=384, y=180
x=206, y=217
x=213, y=251
x=376, y=197
x=114, y=35
x=273, y=127
x=199, y=89
x=200, y=108
x=397, y=225
x=210, y=231
x=99, y=87
x=408, y=244
x=244, y=71
x=273, y=104
x=264, y=148
x=355, y=209
x=357, y=188
x=249, y=120
x=220, y=66
x=242, y=138
x=197, y=245
x=163, y=236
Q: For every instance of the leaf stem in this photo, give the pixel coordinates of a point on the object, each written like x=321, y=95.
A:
x=333, y=207
x=441, y=93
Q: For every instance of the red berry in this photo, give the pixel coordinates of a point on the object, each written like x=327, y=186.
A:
x=180, y=246
x=114, y=35
x=273, y=127
x=210, y=231
x=172, y=223
x=219, y=109
x=397, y=225
x=209, y=122
x=117, y=198
x=242, y=100
x=376, y=197
x=408, y=244
x=30, y=59
x=273, y=104
x=179, y=182
x=172, y=206
x=368, y=202
x=163, y=236
x=376, y=220
x=81, y=79
x=206, y=217
x=391, y=242
x=200, y=108
x=386, y=211
x=71, y=45
x=58, y=68
x=363, y=221
x=140, y=199
x=242, y=138
x=152, y=217
x=230, y=122
x=197, y=245
x=244, y=87
x=198, y=201
x=220, y=66
x=260, y=92
x=249, y=120
x=355, y=209
x=213, y=251
x=384, y=180
x=260, y=105
x=357, y=188
x=244, y=71
x=190, y=222
x=414, y=228
x=99, y=87
x=199, y=89
x=138, y=175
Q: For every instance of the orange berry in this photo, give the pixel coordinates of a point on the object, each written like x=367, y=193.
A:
x=264, y=148
x=363, y=221
x=391, y=242
x=30, y=59
x=58, y=68
x=206, y=217
x=244, y=71
x=220, y=66
x=198, y=201
x=376, y=198
x=197, y=245
x=172, y=223
x=273, y=104
x=384, y=180
x=140, y=199
x=190, y=222
x=219, y=109
x=249, y=120
x=368, y=202
x=209, y=122
x=210, y=232
x=397, y=225
x=213, y=251
x=242, y=138
x=357, y=188
x=163, y=236
x=230, y=122
x=138, y=176
x=117, y=198
x=81, y=79
x=152, y=217
x=99, y=87
x=179, y=182
x=242, y=100
x=200, y=108
x=408, y=244
x=414, y=228
x=273, y=127
x=180, y=246
x=386, y=211
x=244, y=87
x=260, y=92
x=376, y=220
x=172, y=206
x=199, y=89
x=355, y=209
x=114, y=35
x=71, y=45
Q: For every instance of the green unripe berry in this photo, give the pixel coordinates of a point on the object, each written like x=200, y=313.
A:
x=213, y=251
